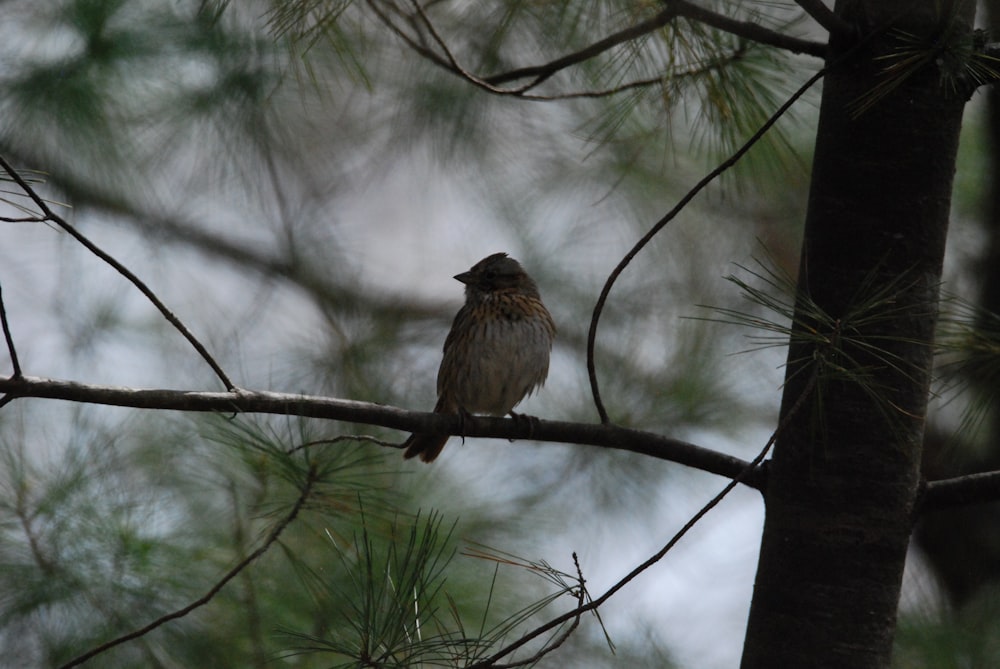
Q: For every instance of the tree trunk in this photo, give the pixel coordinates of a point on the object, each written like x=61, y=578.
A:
x=961, y=545
x=844, y=476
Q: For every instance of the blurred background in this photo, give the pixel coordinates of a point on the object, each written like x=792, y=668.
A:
x=299, y=187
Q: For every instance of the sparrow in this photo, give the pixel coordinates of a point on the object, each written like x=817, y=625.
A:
x=497, y=351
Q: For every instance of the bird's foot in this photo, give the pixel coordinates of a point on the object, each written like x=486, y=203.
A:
x=463, y=416
x=525, y=419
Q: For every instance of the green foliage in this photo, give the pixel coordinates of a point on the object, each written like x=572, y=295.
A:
x=855, y=347
x=383, y=609
x=393, y=609
x=122, y=534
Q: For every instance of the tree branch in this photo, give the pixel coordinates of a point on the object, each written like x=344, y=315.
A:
x=960, y=491
x=245, y=401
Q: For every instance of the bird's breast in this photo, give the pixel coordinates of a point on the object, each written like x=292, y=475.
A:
x=496, y=355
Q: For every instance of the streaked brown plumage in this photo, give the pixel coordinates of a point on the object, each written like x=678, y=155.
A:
x=497, y=351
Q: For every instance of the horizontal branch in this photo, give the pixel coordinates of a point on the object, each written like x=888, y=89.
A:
x=961, y=491
x=246, y=401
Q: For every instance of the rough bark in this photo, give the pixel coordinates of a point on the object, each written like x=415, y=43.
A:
x=845, y=471
x=961, y=545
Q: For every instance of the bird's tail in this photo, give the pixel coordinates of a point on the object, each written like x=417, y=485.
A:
x=427, y=446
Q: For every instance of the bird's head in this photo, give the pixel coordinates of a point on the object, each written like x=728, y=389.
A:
x=497, y=273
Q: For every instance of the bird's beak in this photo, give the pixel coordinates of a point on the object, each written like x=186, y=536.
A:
x=464, y=277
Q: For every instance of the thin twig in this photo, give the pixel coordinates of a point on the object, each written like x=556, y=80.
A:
x=23, y=219
x=204, y=599
x=50, y=215
x=669, y=216
x=10, y=340
x=713, y=64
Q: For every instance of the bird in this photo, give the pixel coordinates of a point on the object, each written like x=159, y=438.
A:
x=497, y=351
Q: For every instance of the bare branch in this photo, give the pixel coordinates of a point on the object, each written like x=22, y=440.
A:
x=659, y=225
x=207, y=597
x=246, y=401
x=961, y=491
x=23, y=219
